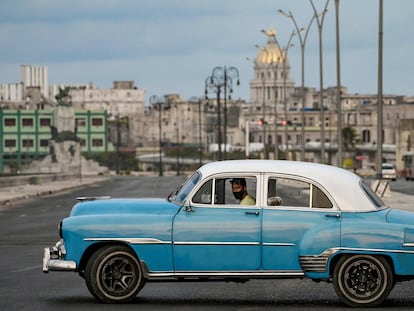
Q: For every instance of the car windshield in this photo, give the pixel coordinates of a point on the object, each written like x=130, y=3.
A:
x=182, y=192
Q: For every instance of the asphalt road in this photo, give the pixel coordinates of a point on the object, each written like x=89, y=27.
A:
x=403, y=186
x=28, y=227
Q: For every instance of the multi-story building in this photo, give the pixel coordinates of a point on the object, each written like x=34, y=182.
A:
x=124, y=102
x=25, y=135
x=35, y=76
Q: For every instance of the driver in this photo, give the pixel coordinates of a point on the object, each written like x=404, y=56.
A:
x=239, y=188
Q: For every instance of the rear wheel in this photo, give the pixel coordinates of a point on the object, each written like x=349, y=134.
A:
x=113, y=274
x=363, y=280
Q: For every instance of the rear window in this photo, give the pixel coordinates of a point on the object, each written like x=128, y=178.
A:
x=373, y=197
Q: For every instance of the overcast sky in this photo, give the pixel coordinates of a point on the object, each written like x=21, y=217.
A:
x=172, y=46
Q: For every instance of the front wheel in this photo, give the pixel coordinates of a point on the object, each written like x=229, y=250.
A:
x=113, y=274
x=363, y=280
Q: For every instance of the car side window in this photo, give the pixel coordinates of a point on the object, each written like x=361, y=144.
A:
x=204, y=194
x=319, y=199
x=295, y=193
x=221, y=190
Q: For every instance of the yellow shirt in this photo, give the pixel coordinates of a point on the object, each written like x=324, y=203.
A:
x=248, y=200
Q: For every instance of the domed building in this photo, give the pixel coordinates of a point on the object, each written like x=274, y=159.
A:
x=270, y=90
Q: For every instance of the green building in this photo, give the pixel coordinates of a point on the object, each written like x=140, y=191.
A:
x=25, y=135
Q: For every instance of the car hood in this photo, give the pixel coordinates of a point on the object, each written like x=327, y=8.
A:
x=400, y=217
x=125, y=206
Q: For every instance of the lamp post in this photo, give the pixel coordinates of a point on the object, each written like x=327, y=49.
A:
x=221, y=79
x=200, y=137
x=302, y=41
x=284, y=59
x=319, y=20
x=118, y=142
x=338, y=88
x=156, y=102
x=380, y=103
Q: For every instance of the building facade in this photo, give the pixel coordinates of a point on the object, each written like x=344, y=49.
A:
x=273, y=118
x=25, y=135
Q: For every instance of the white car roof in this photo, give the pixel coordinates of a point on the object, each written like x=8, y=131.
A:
x=343, y=186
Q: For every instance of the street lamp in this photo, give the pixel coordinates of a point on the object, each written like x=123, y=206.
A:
x=156, y=102
x=319, y=20
x=221, y=79
x=302, y=41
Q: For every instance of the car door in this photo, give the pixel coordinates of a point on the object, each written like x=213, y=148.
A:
x=217, y=234
x=300, y=219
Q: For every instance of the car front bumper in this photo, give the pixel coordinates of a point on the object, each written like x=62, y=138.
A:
x=54, y=259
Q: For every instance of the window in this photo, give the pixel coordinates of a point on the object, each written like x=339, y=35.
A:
x=295, y=193
x=366, y=136
x=27, y=143
x=27, y=122
x=10, y=143
x=44, y=143
x=186, y=188
x=44, y=122
x=97, y=142
x=204, y=194
x=10, y=122
x=371, y=194
x=80, y=122
x=221, y=190
x=97, y=121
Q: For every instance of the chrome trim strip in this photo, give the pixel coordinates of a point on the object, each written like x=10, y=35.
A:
x=278, y=244
x=317, y=263
x=84, y=199
x=375, y=250
x=157, y=241
x=216, y=243
x=130, y=240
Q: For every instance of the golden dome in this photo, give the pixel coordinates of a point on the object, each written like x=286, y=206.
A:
x=272, y=53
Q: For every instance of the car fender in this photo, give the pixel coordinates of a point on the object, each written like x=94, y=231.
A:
x=148, y=235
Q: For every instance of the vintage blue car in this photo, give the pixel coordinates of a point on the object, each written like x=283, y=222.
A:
x=240, y=220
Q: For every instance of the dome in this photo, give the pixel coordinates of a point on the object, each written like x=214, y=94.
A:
x=272, y=53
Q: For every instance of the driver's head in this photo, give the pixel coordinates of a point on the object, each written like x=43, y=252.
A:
x=239, y=188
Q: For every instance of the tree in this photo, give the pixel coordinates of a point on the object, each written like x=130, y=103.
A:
x=350, y=137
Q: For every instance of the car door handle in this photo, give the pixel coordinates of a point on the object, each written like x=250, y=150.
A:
x=257, y=213
x=333, y=215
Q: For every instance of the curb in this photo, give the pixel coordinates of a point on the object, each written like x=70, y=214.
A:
x=32, y=191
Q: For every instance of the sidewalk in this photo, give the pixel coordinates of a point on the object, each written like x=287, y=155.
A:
x=11, y=195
